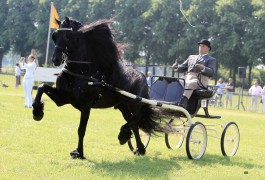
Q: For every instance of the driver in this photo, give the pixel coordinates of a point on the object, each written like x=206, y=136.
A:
x=199, y=67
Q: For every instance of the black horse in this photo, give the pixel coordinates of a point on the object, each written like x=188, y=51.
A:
x=91, y=56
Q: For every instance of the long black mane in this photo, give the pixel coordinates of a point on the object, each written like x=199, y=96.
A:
x=100, y=34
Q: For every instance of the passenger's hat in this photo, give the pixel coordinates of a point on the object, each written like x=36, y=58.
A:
x=205, y=42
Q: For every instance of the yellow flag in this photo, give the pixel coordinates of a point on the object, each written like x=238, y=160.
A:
x=54, y=15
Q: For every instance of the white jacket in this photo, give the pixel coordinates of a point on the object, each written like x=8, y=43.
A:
x=30, y=70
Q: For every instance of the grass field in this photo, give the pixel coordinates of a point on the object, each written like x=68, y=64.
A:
x=40, y=150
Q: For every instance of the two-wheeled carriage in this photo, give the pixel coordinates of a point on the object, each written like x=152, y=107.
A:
x=165, y=94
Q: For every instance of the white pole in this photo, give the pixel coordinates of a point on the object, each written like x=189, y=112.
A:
x=48, y=40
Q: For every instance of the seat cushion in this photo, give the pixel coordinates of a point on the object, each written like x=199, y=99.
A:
x=202, y=93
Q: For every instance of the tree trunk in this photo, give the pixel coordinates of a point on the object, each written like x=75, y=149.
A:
x=249, y=75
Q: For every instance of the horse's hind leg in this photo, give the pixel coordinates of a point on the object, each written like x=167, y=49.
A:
x=125, y=131
x=53, y=93
x=140, y=150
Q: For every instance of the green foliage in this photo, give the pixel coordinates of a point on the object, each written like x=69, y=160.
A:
x=157, y=31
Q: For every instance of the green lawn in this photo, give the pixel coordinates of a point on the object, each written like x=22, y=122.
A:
x=40, y=150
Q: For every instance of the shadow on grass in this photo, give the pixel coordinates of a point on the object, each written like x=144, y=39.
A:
x=142, y=167
x=209, y=160
x=139, y=167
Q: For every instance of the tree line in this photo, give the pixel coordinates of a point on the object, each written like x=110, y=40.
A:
x=156, y=31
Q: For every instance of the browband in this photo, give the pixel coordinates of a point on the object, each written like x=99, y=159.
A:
x=64, y=29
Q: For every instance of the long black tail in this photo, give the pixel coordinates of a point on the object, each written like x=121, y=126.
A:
x=150, y=121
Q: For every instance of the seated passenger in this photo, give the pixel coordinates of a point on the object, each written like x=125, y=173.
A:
x=199, y=67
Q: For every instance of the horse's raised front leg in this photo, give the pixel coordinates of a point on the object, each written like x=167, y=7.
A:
x=38, y=105
x=79, y=152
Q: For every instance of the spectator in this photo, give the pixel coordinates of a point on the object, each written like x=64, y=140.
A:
x=220, y=92
x=29, y=80
x=263, y=99
x=149, y=78
x=230, y=89
x=255, y=91
x=18, y=75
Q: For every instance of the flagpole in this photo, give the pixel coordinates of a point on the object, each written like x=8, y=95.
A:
x=49, y=34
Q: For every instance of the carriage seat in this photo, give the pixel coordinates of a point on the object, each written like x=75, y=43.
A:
x=167, y=90
x=204, y=93
x=194, y=103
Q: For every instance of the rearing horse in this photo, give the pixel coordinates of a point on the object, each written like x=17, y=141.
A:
x=91, y=56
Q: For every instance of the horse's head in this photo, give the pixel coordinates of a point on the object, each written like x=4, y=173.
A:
x=61, y=39
x=70, y=46
x=90, y=43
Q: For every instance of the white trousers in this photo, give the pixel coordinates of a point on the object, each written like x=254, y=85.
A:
x=263, y=103
x=28, y=85
x=255, y=103
x=191, y=83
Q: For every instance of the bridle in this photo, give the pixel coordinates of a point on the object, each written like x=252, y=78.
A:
x=65, y=55
x=65, y=58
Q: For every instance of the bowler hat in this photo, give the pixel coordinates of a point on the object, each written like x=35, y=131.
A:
x=205, y=42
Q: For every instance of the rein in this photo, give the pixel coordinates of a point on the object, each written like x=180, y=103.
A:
x=80, y=76
x=200, y=82
x=78, y=62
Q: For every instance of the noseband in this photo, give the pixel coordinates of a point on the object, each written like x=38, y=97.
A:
x=65, y=55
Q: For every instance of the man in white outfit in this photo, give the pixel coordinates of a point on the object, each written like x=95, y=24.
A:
x=255, y=92
x=29, y=80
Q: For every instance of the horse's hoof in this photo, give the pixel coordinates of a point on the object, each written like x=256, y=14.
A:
x=76, y=155
x=124, y=135
x=38, y=117
x=139, y=152
x=38, y=111
x=122, y=142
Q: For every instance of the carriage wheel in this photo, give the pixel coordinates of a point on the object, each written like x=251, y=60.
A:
x=145, y=137
x=196, y=141
x=174, y=135
x=230, y=139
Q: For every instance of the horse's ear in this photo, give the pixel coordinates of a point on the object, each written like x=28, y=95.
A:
x=58, y=21
x=67, y=20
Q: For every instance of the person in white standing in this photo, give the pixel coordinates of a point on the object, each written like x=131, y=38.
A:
x=263, y=99
x=149, y=78
x=255, y=91
x=29, y=80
